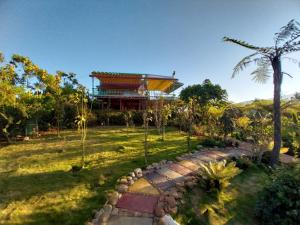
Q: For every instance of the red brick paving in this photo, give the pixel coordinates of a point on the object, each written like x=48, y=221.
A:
x=138, y=202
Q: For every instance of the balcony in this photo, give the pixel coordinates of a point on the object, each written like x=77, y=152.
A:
x=131, y=94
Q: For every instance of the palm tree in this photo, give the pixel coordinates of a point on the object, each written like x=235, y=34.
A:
x=287, y=40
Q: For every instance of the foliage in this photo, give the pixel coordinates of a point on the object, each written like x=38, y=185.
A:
x=147, y=116
x=234, y=206
x=204, y=92
x=80, y=100
x=128, y=119
x=166, y=113
x=218, y=142
x=34, y=92
x=279, y=203
x=217, y=175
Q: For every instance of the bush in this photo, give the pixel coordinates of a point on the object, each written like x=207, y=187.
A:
x=279, y=203
x=217, y=175
x=243, y=163
x=211, y=142
x=215, y=142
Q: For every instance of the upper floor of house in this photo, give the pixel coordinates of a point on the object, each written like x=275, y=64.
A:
x=133, y=85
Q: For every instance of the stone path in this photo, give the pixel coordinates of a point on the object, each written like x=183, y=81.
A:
x=155, y=192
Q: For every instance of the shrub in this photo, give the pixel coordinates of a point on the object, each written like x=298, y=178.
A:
x=212, y=142
x=215, y=142
x=279, y=203
x=217, y=175
x=243, y=163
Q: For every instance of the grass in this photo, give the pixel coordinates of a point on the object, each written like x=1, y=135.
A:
x=239, y=202
x=37, y=187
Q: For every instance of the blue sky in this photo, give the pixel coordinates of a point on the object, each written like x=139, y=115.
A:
x=148, y=36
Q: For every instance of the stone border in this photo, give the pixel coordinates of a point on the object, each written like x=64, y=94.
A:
x=168, y=200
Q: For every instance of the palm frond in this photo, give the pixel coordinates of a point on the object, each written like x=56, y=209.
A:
x=243, y=64
x=263, y=50
x=262, y=73
x=288, y=33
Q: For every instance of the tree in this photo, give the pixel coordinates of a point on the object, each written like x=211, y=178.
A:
x=81, y=100
x=128, y=120
x=147, y=116
x=287, y=40
x=166, y=113
x=204, y=92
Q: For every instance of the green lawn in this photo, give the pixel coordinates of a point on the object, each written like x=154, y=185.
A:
x=36, y=186
x=239, y=202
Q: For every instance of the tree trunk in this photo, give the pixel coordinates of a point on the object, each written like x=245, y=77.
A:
x=277, y=80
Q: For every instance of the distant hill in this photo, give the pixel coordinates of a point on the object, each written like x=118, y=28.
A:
x=283, y=97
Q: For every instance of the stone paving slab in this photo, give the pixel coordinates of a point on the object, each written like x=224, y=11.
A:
x=155, y=178
x=125, y=220
x=189, y=164
x=170, y=174
x=138, y=202
x=144, y=187
x=197, y=161
x=212, y=155
x=165, y=186
x=179, y=169
x=204, y=158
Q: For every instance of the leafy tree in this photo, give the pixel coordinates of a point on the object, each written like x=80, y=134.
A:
x=166, y=113
x=147, y=117
x=287, y=40
x=81, y=100
x=214, y=115
x=188, y=114
x=158, y=105
x=204, y=92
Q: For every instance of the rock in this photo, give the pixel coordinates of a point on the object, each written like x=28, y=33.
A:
x=173, y=210
x=199, y=147
x=159, y=210
x=139, y=175
x=174, y=193
x=98, y=214
x=122, y=188
x=132, y=174
x=167, y=220
x=131, y=182
x=115, y=212
x=135, y=178
x=179, y=184
x=113, y=197
x=171, y=202
x=106, y=213
x=26, y=138
x=137, y=170
x=123, y=181
x=150, y=167
x=178, y=158
x=129, y=178
x=155, y=164
x=190, y=184
x=188, y=178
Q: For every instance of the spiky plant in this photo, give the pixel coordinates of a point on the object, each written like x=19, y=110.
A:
x=217, y=175
x=286, y=41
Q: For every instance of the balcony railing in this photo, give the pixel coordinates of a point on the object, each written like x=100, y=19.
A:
x=128, y=93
